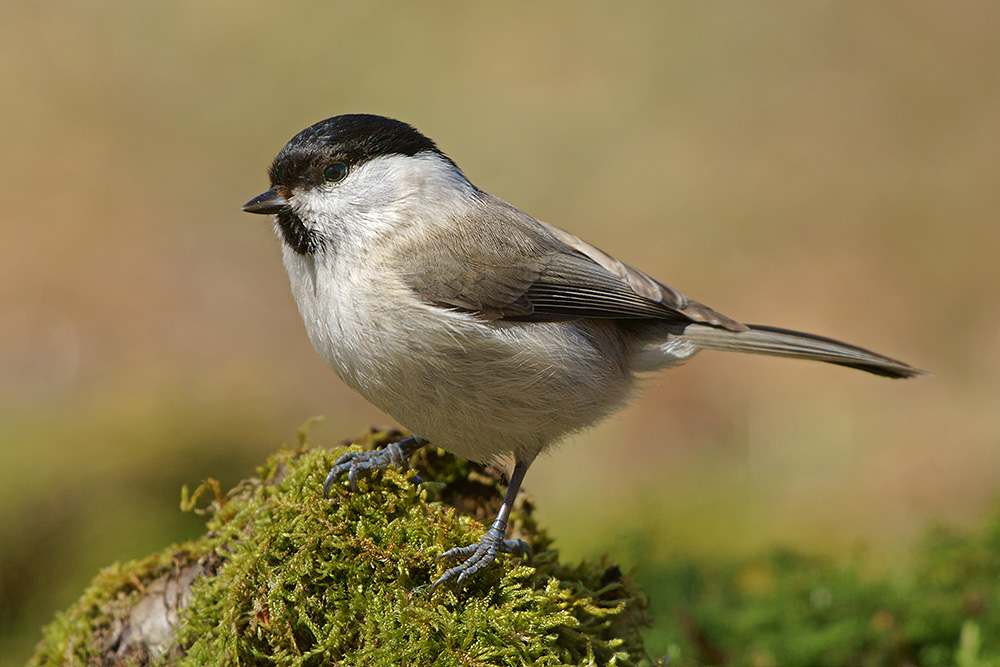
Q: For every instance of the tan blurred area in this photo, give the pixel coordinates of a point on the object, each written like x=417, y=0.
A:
x=829, y=167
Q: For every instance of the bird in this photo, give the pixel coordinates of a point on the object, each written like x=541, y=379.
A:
x=482, y=330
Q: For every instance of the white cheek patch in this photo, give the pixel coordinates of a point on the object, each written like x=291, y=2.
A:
x=316, y=206
x=381, y=197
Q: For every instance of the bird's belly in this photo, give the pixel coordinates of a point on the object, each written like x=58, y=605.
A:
x=478, y=389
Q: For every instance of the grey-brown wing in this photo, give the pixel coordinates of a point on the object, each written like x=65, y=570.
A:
x=514, y=267
x=572, y=286
x=644, y=285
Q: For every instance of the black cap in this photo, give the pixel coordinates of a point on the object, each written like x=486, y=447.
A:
x=351, y=139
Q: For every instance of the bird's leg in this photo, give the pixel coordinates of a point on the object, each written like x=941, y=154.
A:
x=355, y=463
x=481, y=554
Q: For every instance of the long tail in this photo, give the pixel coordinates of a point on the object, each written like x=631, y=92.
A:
x=797, y=345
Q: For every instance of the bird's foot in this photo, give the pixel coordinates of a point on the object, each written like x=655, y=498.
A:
x=356, y=463
x=479, y=555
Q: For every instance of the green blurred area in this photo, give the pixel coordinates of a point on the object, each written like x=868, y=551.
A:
x=781, y=607
x=826, y=167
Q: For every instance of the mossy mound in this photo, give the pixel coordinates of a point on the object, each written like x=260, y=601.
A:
x=286, y=577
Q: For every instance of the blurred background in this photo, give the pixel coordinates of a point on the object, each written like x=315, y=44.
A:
x=830, y=167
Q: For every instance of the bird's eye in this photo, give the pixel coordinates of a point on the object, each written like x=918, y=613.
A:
x=335, y=172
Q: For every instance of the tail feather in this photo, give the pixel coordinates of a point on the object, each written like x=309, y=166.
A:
x=797, y=345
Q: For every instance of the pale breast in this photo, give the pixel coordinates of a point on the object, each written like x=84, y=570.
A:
x=475, y=388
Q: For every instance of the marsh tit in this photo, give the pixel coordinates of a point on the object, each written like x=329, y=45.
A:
x=481, y=329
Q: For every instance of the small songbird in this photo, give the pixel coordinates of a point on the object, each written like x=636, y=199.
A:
x=482, y=330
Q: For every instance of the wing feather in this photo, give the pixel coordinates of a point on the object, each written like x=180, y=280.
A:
x=513, y=267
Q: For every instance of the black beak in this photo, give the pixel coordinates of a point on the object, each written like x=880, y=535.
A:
x=267, y=203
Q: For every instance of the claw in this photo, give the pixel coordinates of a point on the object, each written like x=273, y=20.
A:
x=480, y=555
x=357, y=463
x=484, y=552
x=330, y=479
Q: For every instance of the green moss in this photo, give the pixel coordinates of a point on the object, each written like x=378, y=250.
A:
x=291, y=578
